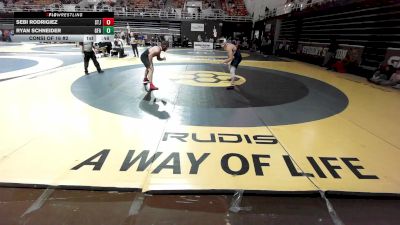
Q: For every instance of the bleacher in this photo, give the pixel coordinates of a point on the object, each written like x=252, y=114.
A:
x=373, y=25
x=210, y=4
x=234, y=7
x=127, y=9
x=147, y=3
x=178, y=3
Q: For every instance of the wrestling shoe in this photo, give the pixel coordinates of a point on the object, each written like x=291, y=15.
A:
x=230, y=87
x=152, y=87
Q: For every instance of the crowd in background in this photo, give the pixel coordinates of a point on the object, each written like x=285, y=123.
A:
x=145, y=8
x=124, y=5
x=234, y=7
x=307, y=5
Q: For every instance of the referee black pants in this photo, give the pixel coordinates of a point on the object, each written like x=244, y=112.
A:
x=91, y=55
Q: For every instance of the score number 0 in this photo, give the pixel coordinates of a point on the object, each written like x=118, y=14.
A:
x=108, y=21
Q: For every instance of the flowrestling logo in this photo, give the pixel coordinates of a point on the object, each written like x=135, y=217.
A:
x=64, y=15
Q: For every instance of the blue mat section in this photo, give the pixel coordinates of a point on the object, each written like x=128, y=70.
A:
x=12, y=64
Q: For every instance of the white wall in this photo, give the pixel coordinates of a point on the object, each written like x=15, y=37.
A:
x=258, y=6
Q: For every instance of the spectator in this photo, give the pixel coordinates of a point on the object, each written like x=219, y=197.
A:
x=394, y=80
x=119, y=48
x=198, y=15
x=123, y=35
x=185, y=42
x=330, y=55
x=134, y=44
x=264, y=43
x=383, y=73
x=281, y=48
x=245, y=45
x=178, y=13
x=269, y=46
x=254, y=45
x=101, y=48
x=108, y=47
x=347, y=65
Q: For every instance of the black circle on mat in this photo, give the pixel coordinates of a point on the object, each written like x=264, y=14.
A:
x=260, y=89
x=267, y=97
x=13, y=64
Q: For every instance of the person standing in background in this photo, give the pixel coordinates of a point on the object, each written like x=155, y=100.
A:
x=333, y=47
x=264, y=44
x=134, y=44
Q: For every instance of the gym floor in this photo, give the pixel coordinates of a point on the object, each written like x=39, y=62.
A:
x=293, y=143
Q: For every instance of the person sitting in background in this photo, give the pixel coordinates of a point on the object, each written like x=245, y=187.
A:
x=394, y=80
x=282, y=48
x=347, y=64
x=383, y=73
x=119, y=48
x=101, y=48
x=245, y=45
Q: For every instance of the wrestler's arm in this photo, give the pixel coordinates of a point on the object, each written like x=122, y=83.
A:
x=159, y=57
x=230, y=54
x=152, y=53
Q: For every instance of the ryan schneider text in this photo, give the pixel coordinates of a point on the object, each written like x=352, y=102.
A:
x=254, y=164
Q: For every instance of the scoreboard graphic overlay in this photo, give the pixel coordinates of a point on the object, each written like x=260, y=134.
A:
x=64, y=26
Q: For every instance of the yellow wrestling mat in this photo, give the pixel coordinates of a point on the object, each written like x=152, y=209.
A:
x=59, y=128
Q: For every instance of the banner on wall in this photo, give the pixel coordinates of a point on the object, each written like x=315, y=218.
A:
x=320, y=49
x=393, y=57
x=203, y=45
x=197, y=27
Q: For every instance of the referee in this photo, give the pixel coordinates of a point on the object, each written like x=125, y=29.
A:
x=87, y=49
